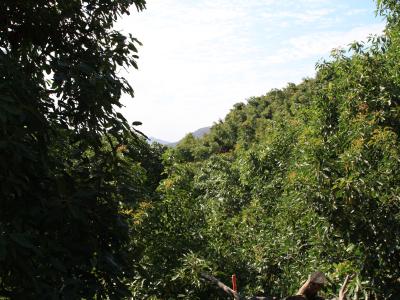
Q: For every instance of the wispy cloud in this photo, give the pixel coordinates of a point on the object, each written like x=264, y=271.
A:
x=201, y=56
x=356, y=11
x=320, y=43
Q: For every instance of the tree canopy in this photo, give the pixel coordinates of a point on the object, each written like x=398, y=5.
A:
x=71, y=164
x=302, y=178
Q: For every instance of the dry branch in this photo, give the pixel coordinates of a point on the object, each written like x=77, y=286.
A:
x=343, y=289
x=222, y=286
x=308, y=291
x=312, y=286
x=228, y=290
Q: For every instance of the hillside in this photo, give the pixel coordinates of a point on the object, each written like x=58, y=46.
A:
x=301, y=178
x=201, y=132
x=197, y=134
x=156, y=140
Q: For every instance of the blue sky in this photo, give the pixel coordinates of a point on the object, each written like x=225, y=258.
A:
x=199, y=57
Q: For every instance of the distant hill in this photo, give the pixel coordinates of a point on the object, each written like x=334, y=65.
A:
x=155, y=140
x=202, y=131
x=197, y=134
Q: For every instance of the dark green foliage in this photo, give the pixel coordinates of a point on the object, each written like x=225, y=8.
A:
x=66, y=175
x=302, y=178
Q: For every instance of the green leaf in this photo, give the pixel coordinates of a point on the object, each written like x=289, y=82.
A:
x=22, y=240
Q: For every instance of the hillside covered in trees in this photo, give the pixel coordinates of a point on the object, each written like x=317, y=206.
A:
x=300, y=179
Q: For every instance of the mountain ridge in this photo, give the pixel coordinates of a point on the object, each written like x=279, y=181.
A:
x=199, y=133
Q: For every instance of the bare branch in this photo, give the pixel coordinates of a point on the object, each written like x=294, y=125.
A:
x=228, y=290
x=222, y=286
x=343, y=289
x=311, y=287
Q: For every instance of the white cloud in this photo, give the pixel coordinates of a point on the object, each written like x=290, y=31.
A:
x=321, y=43
x=356, y=11
x=307, y=16
x=200, y=57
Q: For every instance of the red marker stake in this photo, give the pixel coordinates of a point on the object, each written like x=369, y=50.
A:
x=234, y=287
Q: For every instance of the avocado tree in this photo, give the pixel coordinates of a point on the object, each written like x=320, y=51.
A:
x=66, y=177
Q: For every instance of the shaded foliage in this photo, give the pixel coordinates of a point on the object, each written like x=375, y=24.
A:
x=71, y=165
